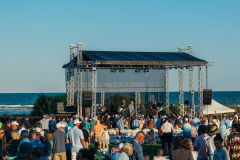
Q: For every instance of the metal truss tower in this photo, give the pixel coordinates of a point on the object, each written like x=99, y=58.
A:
x=102, y=97
x=137, y=100
x=79, y=79
x=167, y=89
x=191, y=84
x=70, y=78
x=200, y=88
x=94, y=90
x=181, y=91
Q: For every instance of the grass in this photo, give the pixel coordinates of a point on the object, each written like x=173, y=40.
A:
x=148, y=149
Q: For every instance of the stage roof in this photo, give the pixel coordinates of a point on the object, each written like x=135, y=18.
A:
x=110, y=58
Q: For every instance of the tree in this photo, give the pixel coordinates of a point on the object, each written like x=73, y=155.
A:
x=44, y=104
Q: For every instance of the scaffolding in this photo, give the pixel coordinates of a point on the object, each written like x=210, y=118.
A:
x=80, y=64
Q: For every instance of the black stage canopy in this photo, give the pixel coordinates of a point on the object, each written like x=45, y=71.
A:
x=109, y=59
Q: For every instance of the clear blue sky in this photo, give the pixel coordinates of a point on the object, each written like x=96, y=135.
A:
x=35, y=37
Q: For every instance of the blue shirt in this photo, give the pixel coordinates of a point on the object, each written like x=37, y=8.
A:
x=223, y=129
x=87, y=125
x=75, y=135
x=131, y=108
x=120, y=124
x=186, y=130
x=196, y=121
x=70, y=124
x=135, y=123
x=227, y=122
x=158, y=123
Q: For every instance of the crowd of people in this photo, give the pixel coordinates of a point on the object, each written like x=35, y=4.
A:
x=204, y=137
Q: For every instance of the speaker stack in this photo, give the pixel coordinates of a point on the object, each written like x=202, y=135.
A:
x=207, y=97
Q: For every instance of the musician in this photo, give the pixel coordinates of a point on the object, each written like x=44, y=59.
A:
x=153, y=109
x=101, y=109
x=160, y=108
x=123, y=106
x=131, y=109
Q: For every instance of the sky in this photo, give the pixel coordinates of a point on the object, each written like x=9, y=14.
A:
x=35, y=37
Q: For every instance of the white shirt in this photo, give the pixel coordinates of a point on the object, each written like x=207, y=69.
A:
x=167, y=127
x=210, y=144
x=20, y=130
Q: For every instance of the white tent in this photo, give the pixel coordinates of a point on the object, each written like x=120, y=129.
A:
x=215, y=106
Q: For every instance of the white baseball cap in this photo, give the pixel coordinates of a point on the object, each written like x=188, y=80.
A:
x=86, y=118
x=120, y=146
x=38, y=129
x=14, y=123
x=185, y=119
x=116, y=115
x=93, y=118
x=76, y=121
x=58, y=125
x=108, y=116
x=142, y=115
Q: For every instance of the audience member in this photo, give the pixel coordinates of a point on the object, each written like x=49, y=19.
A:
x=179, y=153
x=193, y=132
x=37, y=150
x=210, y=147
x=223, y=132
x=167, y=130
x=125, y=152
x=85, y=135
x=105, y=138
x=234, y=142
x=189, y=146
x=221, y=153
x=76, y=138
x=24, y=152
x=86, y=154
x=200, y=144
x=47, y=150
x=186, y=129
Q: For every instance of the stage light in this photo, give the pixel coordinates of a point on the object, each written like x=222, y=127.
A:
x=135, y=71
x=176, y=67
x=114, y=71
x=144, y=71
x=139, y=71
x=170, y=67
x=90, y=70
x=147, y=70
x=120, y=71
x=187, y=67
x=84, y=70
x=111, y=70
x=123, y=70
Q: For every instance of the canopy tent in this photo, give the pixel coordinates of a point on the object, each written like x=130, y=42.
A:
x=215, y=106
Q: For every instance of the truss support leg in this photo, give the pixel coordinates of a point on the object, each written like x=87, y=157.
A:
x=94, y=90
x=181, y=91
x=137, y=101
x=200, y=88
x=167, y=90
x=70, y=78
x=79, y=80
x=102, y=97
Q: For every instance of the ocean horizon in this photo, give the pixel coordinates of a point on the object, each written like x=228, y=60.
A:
x=22, y=103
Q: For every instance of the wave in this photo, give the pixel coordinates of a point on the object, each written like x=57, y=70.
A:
x=15, y=109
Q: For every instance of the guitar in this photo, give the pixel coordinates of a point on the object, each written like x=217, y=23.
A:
x=101, y=109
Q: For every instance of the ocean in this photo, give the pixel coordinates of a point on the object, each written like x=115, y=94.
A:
x=22, y=103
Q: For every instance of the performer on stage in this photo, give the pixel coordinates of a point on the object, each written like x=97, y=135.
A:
x=153, y=109
x=131, y=109
x=101, y=109
x=160, y=108
x=123, y=107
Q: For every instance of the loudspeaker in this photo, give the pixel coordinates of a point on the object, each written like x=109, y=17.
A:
x=87, y=98
x=207, y=97
x=186, y=102
x=58, y=106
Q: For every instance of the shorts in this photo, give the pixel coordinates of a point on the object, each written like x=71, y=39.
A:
x=106, y=141
x=98, y=139
x=224, y=137
x=116, y=129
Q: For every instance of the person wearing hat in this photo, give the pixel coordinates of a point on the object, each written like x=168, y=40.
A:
x=24, y=152
x=186, y=127
x=108, y=122
x=59, y=141
x=37, y=150
x=76, y=138
x=44, y=121
x=14, y=126
x=22, y=125
x=210, y=147
x=167, y=130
